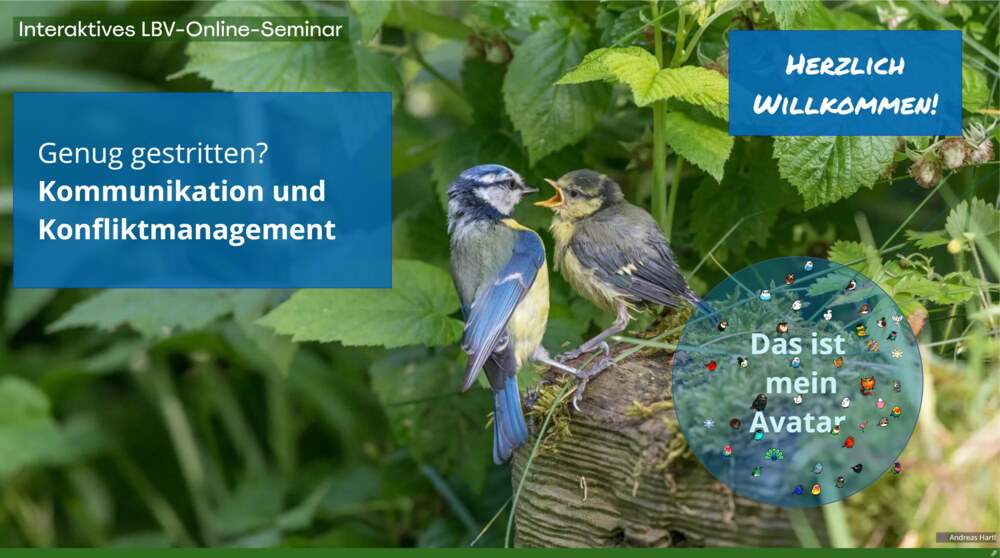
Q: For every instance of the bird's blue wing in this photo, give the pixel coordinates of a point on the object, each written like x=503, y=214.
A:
x=486, y=325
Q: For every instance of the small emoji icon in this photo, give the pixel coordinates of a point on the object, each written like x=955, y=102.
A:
x=897, y=353
x=797, y=305
x=864, y=310
x=765, y=295
x=860, y=328
x=892, y=336
x=727, y=451
x=711, y=366
x=735, y=424
x=709, y=423
x=880, y=403
x=896, y=386
x=897, y=319
x=851, y=285
x=836, y=430
x=896, y=468
x=774, y=454
x=846, y=402
x=789, y=279
x=849, y=442
x=759, y=402
x=868, y=386
x=818, y=468
x=828, y=315
x=872, y=346
x=798, y=489
x=796, y=362
x=742, y=361
x=857, y=468
x=883, y=422
x=797, y=399
x=863, y=425
x=838, y=362
x=756, y=471
x=881, y=322
x=782, y=327
x=840, y=482
x=723, y=325
x=816, y=489
x=758, y=435
x=896, y=411
x=808, y=266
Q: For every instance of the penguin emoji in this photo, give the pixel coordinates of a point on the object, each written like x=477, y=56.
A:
x=864, y=310
x=723, y=325
x=797, y=305
x=828, y=315
x=796, y=362
x=759, y=403
x=881, y=322
x=765, y=295
x=782, y=327
x=851, y=285
x=789, y=279
x=808, y=266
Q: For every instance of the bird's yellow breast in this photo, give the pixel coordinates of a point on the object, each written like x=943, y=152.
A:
x=527, y=323
x=583, y=279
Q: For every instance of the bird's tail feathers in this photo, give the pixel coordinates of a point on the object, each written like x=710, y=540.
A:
x=703, y=307
x=509, y=428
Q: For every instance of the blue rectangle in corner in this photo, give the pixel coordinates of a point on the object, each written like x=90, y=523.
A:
x=202, y=190
x=845, y=83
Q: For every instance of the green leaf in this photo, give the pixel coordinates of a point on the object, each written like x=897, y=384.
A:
x=550, y=118
x=371, y=13
x=441, y=426
x=638, y=69
x=785, y=11
x=248, y=306
x=152, y=312
x=526, y=15
x=482, y=82
x=287, y=66
x=973, y=217
x=975, y=88
x=825, y=169
x=28, y=435
x=415, y=311
x=856, y=255
x=928, y=239
x=416, y=18
x=22, y=305
x=705, y=145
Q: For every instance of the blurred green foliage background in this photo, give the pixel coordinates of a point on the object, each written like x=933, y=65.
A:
x=162, y=418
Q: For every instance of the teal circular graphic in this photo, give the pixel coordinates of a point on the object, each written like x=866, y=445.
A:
x=803, y=386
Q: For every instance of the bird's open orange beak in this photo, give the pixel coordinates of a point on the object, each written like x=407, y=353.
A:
x=555, y=201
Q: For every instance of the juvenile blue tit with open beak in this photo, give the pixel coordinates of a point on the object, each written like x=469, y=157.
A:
x=613, y=253
x=498, y=267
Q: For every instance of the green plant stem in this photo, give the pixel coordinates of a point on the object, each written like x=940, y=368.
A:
x=281, y=424
x=837, y=525
x=527, y=466
x=659, y=201
x=672, y=198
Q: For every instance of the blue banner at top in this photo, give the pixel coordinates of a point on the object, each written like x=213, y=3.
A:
x=845, y=83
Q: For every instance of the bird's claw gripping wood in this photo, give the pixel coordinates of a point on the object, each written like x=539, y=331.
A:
x=584, y=349
x=585, y=376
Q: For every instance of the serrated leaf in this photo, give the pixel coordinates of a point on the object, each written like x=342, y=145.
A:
x=415, y=311
x=856, y=255
x=550, y=118
x=288, y=66
x=151, y=312
x=705, y=145
x=371, y=13
x=482, y=83
x=928, y=239
x=638, y=69
x=785, y=11
x=975, y=217
x=526, y=15
x=975, y=88
x=441, y=426
x=825, y=169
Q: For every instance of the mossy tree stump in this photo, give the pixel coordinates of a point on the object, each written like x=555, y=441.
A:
x=619, y=473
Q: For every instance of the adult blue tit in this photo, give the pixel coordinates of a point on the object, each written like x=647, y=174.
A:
x=613, y=253
x=498, y=267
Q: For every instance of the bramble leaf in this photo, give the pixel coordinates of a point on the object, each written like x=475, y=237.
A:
x=705, y=145
x=825, y=169
x=415, y=311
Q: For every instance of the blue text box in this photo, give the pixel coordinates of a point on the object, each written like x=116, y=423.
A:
x=234, y=140
x=914, y=77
